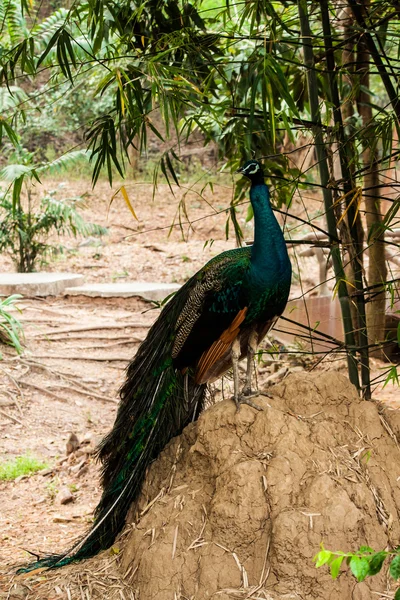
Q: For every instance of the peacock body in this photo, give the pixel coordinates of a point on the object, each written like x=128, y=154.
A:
x=218, y=317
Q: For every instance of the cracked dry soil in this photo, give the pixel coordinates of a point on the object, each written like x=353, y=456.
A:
x=237, y=506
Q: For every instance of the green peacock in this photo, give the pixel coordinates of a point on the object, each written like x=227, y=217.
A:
x=217, y=318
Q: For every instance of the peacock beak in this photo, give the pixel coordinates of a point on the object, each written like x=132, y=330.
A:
x=239, y=170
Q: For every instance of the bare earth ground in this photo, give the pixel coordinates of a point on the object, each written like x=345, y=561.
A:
x=77, y=348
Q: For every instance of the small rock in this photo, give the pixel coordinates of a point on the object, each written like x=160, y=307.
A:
x=20, y=478
x=83, y=470
x=64, y=496
x=46, y=472
x=78, y=467
x=40, y=501
x=87, y=438
x=61, y=519
x=154, y=247
x=88, y=449
x=72, y=443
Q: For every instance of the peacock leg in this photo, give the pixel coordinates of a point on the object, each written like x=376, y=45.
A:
x=251, y=352
x=237, y=397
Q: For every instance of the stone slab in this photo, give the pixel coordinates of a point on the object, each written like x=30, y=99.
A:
x=38, y=284
x=146, y=290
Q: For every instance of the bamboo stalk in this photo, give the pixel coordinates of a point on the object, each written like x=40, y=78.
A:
x=327, y=192
x=348, y=186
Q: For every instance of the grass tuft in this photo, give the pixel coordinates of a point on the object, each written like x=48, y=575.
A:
x=21, y=465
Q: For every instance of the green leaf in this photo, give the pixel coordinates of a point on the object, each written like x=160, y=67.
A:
x=13, y=172
x=16, y=194
x=12, y=135
x=397, y=594
x=335, y=566
x=154, y=130
x=376, y=562
x=50, y=45
x=395, y=567
x=359, y=567
x=322, y=558
x=171, y=168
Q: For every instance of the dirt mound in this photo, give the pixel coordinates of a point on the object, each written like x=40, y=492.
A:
x=236, y=507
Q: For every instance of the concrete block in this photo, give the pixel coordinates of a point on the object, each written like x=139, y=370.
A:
x=38, y=284
x=146, y=290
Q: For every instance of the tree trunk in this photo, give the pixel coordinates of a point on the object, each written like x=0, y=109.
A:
x=347, y=110
x=377, y=272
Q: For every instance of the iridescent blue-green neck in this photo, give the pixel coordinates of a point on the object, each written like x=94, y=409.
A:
x=269, y=246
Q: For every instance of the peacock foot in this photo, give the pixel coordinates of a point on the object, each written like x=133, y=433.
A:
x=244, y=399
x=249, y=393
x=266, y=394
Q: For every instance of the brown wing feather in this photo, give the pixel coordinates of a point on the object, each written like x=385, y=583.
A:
x=219, y=347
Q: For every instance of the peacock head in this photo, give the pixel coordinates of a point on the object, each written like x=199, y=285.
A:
x=253, y=170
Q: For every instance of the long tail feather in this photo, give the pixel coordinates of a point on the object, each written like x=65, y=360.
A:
x=157, y=402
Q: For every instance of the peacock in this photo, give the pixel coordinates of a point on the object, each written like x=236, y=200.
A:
x=216, y=319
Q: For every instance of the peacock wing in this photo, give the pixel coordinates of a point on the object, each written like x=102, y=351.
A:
x=214, y=308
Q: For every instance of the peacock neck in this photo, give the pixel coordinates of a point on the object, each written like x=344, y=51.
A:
x=269, y=245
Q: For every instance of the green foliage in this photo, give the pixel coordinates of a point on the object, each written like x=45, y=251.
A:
x=23, y=232
x=21, y=465
x=10, y=327
x=392, y=376
x=25, y=225
x=13, y=25
x=364, y=563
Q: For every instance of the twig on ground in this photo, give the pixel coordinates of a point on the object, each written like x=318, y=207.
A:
x=38, y=388
x=84, y=393
x=105, y=346
x=92, y=358
x=5, y=414
x=66, y=376
x=17, y=404
x=88, y=337
x=92, y=328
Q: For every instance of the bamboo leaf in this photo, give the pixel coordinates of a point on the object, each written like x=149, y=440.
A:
x=164, y=172
x=171, y=168
x=125, y=196
x=53, y=41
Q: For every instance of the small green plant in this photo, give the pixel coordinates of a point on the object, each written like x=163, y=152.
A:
x=10, y=327
x=364, y=563
x=26, y=223
x=20, y=465
x=52, y=488
x=120, y=275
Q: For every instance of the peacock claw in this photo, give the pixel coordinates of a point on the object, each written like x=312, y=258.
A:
x=244, y=399
x=249, y=393
x=267, y=395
